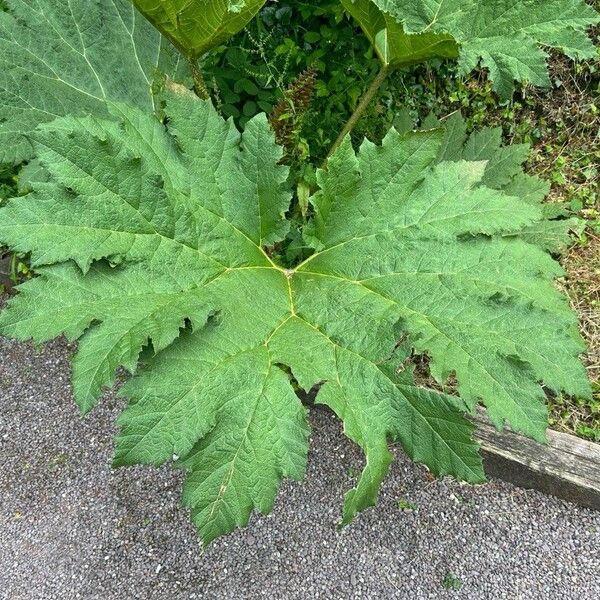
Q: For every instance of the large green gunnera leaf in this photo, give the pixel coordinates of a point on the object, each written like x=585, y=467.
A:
x=505, y=36
x=62, y=58
x=154, y=235
x=196, y=26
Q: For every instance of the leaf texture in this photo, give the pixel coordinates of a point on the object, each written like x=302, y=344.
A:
x=504, y=36
x=504, y=172
x=152, y=234
x=196, y=26
x=72, y=58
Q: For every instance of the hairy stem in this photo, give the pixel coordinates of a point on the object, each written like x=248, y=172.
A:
x=360, y=109
x=199, y=85
x=14, y=277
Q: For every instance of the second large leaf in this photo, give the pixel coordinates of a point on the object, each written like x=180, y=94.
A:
x=505, y=36
x=396, y=48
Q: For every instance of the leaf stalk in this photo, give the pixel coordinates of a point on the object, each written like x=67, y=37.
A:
x=360, y=109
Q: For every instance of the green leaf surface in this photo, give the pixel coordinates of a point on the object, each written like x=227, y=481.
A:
x=396, y=48
x=196, y=26
x=504, y=172
x=504, y=36
x=153, y=234
x=73, y=58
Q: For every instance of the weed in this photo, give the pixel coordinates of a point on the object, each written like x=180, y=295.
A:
x=404, y=504
x=451, y=582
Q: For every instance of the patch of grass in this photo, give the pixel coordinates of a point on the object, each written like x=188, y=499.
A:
x=58, y=461
x=353, y=472
x=582, y=284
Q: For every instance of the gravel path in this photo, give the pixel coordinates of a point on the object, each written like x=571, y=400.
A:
x=70, y=527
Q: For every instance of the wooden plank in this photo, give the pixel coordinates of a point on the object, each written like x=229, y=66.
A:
x=567, y=467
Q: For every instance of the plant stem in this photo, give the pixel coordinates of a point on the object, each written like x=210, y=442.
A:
x=360, y=109
x=13, y=269
x=199, y=85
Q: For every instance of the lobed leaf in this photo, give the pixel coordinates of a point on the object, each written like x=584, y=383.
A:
x=504, y=36
x=152, y=234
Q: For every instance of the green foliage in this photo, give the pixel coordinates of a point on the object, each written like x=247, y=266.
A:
x=451, y=582
x=156, y=226
x=503, y=35
x=250, y=74
x=196, y=26
x=13, y=268
x=581, y=416
x=8, y=183
x=71, y=58
x=142, y=228
x=406, y=505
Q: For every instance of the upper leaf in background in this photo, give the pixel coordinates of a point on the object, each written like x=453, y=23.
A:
x=70, y=58
x=502, y=35
x=392, y=44
x=196, y=26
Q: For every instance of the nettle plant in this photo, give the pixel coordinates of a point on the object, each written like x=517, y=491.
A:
x=154, y=226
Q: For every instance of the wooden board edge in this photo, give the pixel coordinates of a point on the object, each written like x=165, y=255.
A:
x=567, y=467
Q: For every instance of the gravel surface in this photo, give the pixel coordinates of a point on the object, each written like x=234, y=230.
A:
x=70, y=527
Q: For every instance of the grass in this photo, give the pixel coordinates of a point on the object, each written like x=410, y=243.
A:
x=582, y=284
x=404, y=504
x=452, y=583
